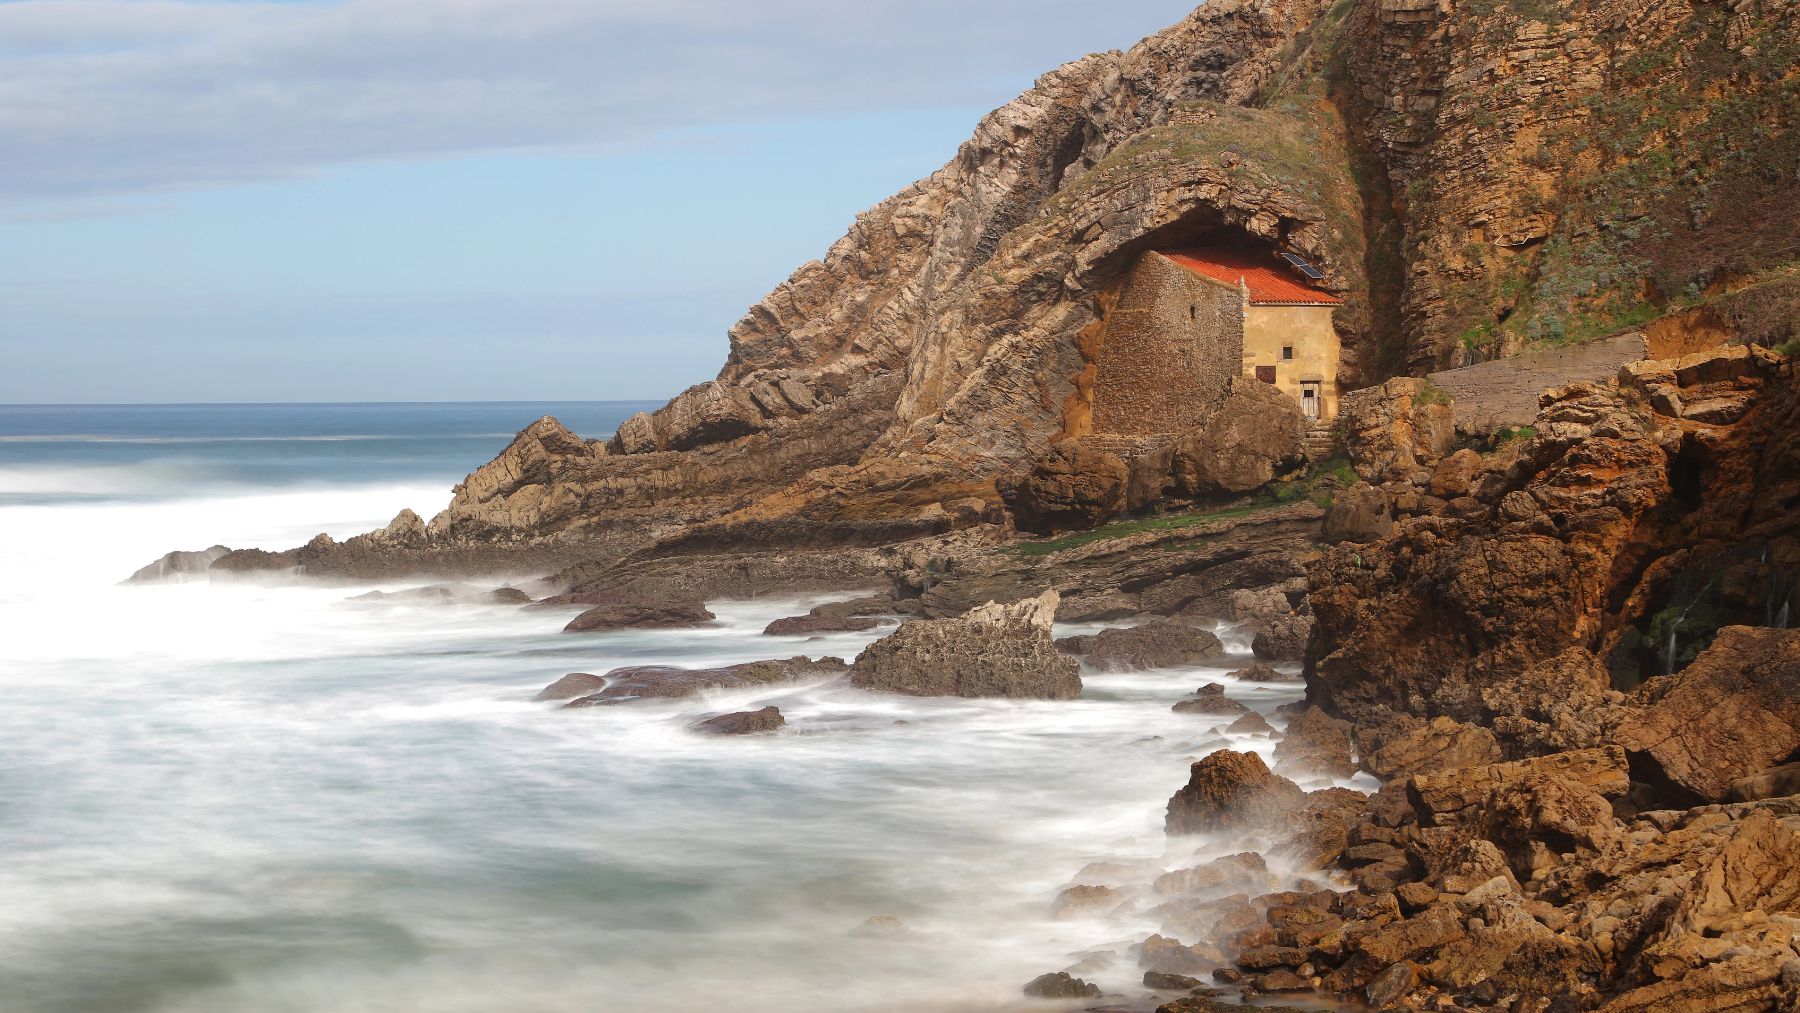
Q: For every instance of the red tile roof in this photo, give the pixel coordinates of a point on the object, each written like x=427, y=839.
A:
x=1270, y=279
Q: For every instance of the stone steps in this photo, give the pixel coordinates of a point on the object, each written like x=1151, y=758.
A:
x=1320, y=442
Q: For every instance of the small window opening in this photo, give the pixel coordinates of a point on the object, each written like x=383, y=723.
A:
x=1287, y=351
x=1193, y=311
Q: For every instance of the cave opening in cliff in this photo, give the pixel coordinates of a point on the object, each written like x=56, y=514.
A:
x=1200, y=307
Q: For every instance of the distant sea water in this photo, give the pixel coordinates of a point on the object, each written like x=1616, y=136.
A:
x=248, y=796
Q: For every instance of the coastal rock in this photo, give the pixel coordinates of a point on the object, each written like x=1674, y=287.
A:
x=1314, y=744
x=768, y=719
x=1060, y=985
x=571, y=686
x=627, y=615
x=1074, y=485
x=1394, y=430
x=1359, y=514
x=647, y=682
x=812, y=625
x=993, y=650
x=1260, y=672
x=178, y=565
x=1283, y=639
x=1159, y=644
x=1256, y=431
x=1209, y=699
x=1083, y=900
x=1442, y=744
x=1229, y=791
x=1731, y=714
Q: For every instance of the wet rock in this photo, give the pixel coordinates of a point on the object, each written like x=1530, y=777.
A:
x=1258, y=605
x=1391, y=985
x=640, y=616
x=1237, y=872
x=1315, y=743
x=768, y=719
x=1359, y=514
x=1083, y=900
x=1732, y=713
x=1166, y=982
x=575, y=684
x=1210, y=699
x=1060, y=985
x=993, y=650
x=1250, y=724
x=1229, y=790
x=1160, y=644
x=809, y=625
x=646, y=682
x=1171, y=956
x=508, y=596
x=1260, y=672
x=1283, y=639
x=879, y=925
x=178, y=565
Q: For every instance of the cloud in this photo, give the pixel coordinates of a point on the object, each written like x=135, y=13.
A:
x=111, y=97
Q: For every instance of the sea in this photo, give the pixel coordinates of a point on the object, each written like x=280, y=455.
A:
x=231, y=795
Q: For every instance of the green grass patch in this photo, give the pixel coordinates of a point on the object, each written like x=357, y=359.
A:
x=1431, y=394
x=1124, y=529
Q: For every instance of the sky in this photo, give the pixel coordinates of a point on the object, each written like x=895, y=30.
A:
x=424, y=200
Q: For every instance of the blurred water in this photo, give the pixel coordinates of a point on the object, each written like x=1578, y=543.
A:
x=232, y=796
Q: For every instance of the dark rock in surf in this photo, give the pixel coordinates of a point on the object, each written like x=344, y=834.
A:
x=665, y=682
x=1060, y=985
x=571, y=686
x=768, y=719
x=1210, y=699
x=1160, y=644
x=812, y=624
x=1283, y=639
x=640, y=616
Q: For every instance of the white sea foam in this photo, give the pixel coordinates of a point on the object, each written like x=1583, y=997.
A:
x=226, y=796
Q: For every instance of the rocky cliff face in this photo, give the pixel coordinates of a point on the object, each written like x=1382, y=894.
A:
x=1497, y=171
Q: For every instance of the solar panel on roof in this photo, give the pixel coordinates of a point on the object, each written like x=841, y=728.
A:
x=1303, y=267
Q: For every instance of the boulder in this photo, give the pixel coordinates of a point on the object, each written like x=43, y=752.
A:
x=1467, y=796
x=1160, y=644
x=1228, y=791
x=1251, y=723
x=768, y=719
x=1060, y=985
x=652, y=682
x=640, y=616
x=1283, y=639
x=1314, y=744
x=1732, y=713
x=1455, y=475
x=1395, y=429
x=1260, y=672
x=1084, y=899
x=1359, y=514
x=992, y=650
x=571, y=686
x=1256, y=431
x=1209, y=699
x=1074, y=485
x=811, y=625
x=1258, y=605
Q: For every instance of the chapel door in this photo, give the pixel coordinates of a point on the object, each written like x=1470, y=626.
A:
x=1309, y=398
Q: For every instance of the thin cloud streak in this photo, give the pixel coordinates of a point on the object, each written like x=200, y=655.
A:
x=109, y=97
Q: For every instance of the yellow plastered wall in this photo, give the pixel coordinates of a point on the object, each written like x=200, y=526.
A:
x=1308, y=331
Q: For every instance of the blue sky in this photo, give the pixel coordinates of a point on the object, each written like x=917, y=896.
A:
x=459, y=199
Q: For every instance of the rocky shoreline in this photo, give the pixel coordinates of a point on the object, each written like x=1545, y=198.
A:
x=1546, y=750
